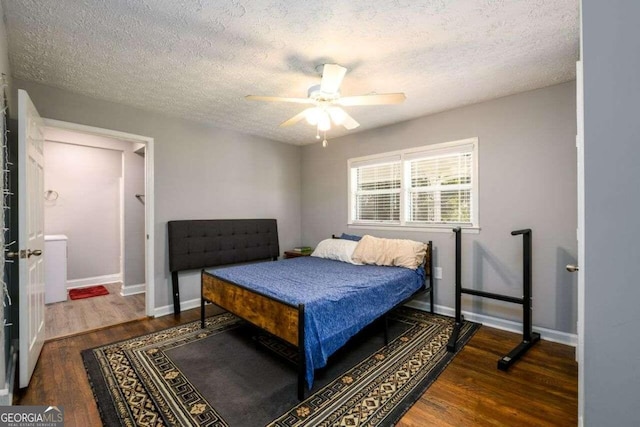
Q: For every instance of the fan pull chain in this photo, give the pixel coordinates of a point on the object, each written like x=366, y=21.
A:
x=325, y=142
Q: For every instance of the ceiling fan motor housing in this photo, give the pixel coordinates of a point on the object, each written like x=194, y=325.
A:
x=315, y=93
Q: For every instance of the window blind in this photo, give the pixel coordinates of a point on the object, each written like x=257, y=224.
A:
x=377, y=192
x=440, y=189
x=427, y=186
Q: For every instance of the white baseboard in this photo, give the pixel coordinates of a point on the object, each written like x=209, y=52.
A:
x=493, y=322
x=184, y=305
x=92, y=281
x=505, y=325
x=125, y=291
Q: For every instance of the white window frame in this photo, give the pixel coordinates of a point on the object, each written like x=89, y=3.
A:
x=404, y=156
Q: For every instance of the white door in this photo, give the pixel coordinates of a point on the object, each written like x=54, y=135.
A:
x=30, y=235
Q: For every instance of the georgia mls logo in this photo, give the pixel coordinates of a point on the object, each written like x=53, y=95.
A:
x=31, y=416
x=54, y=412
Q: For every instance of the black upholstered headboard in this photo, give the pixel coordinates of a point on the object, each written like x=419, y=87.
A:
x=196, y=244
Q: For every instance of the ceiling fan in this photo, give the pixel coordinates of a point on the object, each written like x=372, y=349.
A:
x=327, y=103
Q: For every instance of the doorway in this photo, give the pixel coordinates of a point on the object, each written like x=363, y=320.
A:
x=99, y=191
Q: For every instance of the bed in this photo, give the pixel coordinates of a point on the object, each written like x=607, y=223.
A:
x=308, y=302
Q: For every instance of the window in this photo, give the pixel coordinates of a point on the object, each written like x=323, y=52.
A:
x=377, y=195
x=432, y=186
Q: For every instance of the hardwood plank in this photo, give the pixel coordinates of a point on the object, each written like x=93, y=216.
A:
x=70, y=317
x=539, y=390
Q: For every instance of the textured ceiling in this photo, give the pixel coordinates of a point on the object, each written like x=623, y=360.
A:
x=198, y=58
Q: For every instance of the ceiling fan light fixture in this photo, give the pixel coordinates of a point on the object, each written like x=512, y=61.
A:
x=324, y=122
x=313, y=115
x=337, y=114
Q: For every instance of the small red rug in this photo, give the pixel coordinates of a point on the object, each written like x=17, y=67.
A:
x=91, y=291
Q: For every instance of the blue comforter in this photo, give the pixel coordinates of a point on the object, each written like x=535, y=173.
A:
x=340, y=298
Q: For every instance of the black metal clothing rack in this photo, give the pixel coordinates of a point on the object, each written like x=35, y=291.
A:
x=529, y=338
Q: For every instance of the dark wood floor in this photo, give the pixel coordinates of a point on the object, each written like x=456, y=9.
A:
x=541, y=389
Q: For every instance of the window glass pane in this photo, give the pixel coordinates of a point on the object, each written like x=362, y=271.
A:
x=378, y=207
x=445, y=170
x=379, y=177
x=422, y=207
x=377, y=195
x=441, y=189
x=441, y=206
x=456, y=206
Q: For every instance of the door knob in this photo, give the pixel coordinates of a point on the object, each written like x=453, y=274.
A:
x=24, y=253
x=37, y=252
x=572, y=268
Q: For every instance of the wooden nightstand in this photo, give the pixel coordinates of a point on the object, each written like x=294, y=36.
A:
x=294, y=254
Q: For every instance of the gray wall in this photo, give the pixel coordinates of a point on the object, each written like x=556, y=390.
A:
x=611, y=59
x=87, y=210
x=527, y=179
x=200, y=172
x=133, y=183
x=134, y=228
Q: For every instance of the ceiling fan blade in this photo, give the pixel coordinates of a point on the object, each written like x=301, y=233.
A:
x=373, y=99
x=295, y=119
x=279, y=99
x=332, y=75
x=349, y=122
x=341, y=117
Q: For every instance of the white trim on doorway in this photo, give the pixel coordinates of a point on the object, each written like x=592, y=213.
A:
x=125, y=291
x=122, y=216
x=149, y=193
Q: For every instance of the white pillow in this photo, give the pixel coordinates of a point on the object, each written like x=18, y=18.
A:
x=336, y=249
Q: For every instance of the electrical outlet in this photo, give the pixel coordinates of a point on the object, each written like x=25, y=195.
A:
x=437, y=273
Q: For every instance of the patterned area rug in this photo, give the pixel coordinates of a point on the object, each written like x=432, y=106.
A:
x=230, y=374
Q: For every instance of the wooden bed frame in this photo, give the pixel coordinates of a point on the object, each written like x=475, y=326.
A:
x=278, y=318
x=199, y=244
